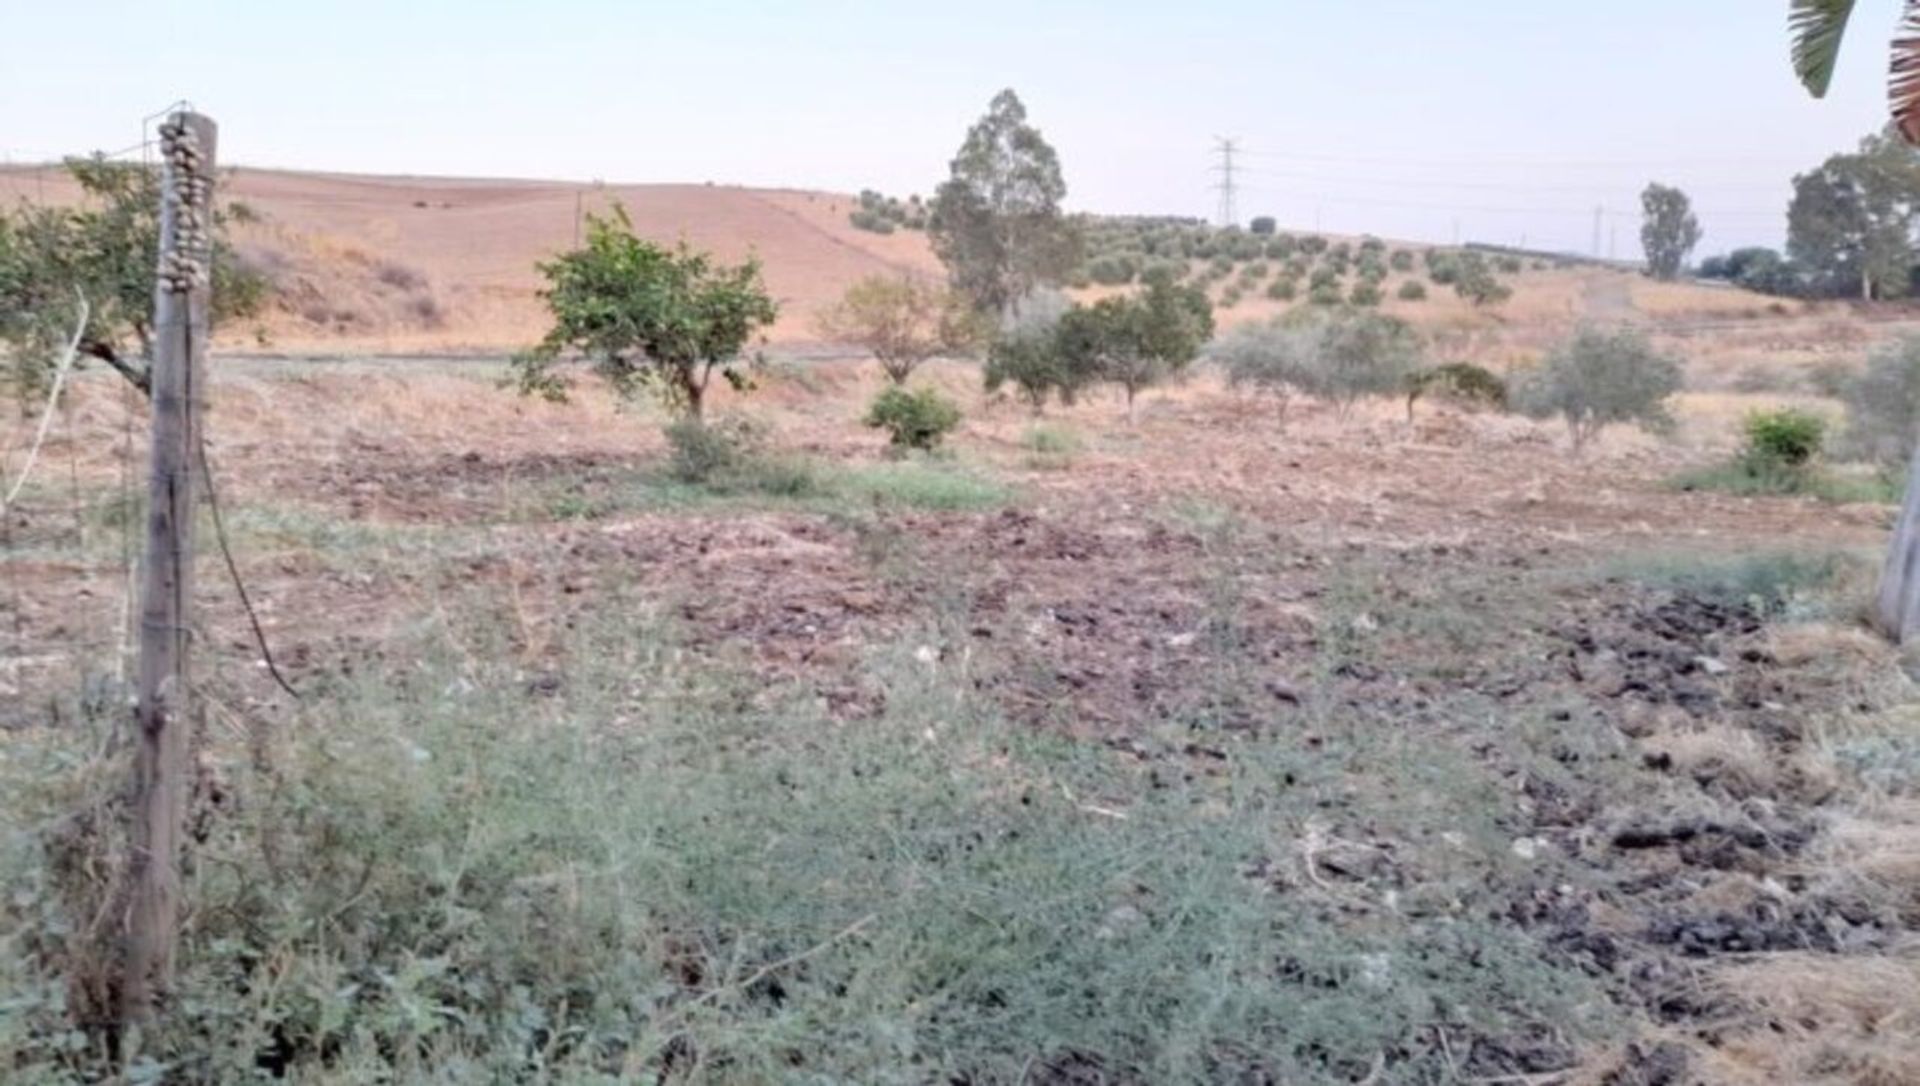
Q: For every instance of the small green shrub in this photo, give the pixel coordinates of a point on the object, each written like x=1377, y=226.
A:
x=1283, y=289
x=913, y=420
x=1231, y=296
x=1365, y=293
x=1458, y=382
x=1400, y=261
x=1786, y=439
x=1412, y=290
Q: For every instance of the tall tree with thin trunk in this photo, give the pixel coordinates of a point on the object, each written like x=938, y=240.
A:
x=1668, y=229
x=1817, y=27
x=996, y=221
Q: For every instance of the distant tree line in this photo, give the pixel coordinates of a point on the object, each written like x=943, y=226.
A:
x=1852, y=230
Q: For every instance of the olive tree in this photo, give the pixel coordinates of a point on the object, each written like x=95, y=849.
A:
x=1598, y=378
x=1337, y=354
x=902, y=320
x=996, y=221
x=646, y=317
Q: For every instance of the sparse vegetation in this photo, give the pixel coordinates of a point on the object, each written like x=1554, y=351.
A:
x=1883, y=405
x=1336, y=355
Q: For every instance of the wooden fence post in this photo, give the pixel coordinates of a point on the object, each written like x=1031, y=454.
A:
x=162, y=715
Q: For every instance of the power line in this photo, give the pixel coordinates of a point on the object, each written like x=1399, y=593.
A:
x=1225, y=148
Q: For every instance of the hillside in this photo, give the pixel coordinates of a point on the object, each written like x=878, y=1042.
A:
x=433, y=265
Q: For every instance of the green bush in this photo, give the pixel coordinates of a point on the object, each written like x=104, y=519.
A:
x=1412, y=290
x=1365, y=293
x=1112, y=269
x=1458, y=382
x=1401, y=261
x=1283, y=289
x=1324, y=277
x=1325, y=294
x=913, y=420
x=1508, y=265
x=1231, y=296
x=1784, y=440
x=871, y=221
x=1281, y=247
x=1262, y=224
x=1313, y=244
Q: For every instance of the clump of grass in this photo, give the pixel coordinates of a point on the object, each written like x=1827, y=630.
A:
x=1050, y=447
x=917, y=484
x=1771, y=582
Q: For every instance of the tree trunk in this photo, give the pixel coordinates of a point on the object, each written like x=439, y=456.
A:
x=1898, y=607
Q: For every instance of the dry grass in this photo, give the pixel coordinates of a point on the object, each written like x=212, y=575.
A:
x=1812, y=1019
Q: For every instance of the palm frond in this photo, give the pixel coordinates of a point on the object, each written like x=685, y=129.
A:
x=1903, y=81
x=1817, y=26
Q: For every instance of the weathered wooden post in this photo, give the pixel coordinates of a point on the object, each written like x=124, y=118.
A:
x=163, y=715
x=1899, y=603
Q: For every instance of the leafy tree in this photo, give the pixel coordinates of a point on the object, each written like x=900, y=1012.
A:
x=1756, y=268
x=647, y=317
x=1668, y=229
x=1026, y=354
x=996, y=222
x=1412, y=290
x=1599, y=378
x=1850, y=224
x=902, y=320
x=1262, y=224
x=104, y=249
x=1474, y=280
x=1136, y=342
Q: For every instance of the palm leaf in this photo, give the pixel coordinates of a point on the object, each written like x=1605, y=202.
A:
x=1817, y=26
x=1903, y=82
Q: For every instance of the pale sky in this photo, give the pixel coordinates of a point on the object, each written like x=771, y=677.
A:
x=1506, y=120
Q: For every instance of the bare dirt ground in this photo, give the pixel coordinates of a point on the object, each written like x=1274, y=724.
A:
x=1690, y=838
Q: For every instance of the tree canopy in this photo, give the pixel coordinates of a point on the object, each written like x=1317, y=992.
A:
x=902, y=320
x=105, y=249
x=1850, y=224
x=996, y=221
x=1137, y=341
x=1668, y=229
x=646, y=316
